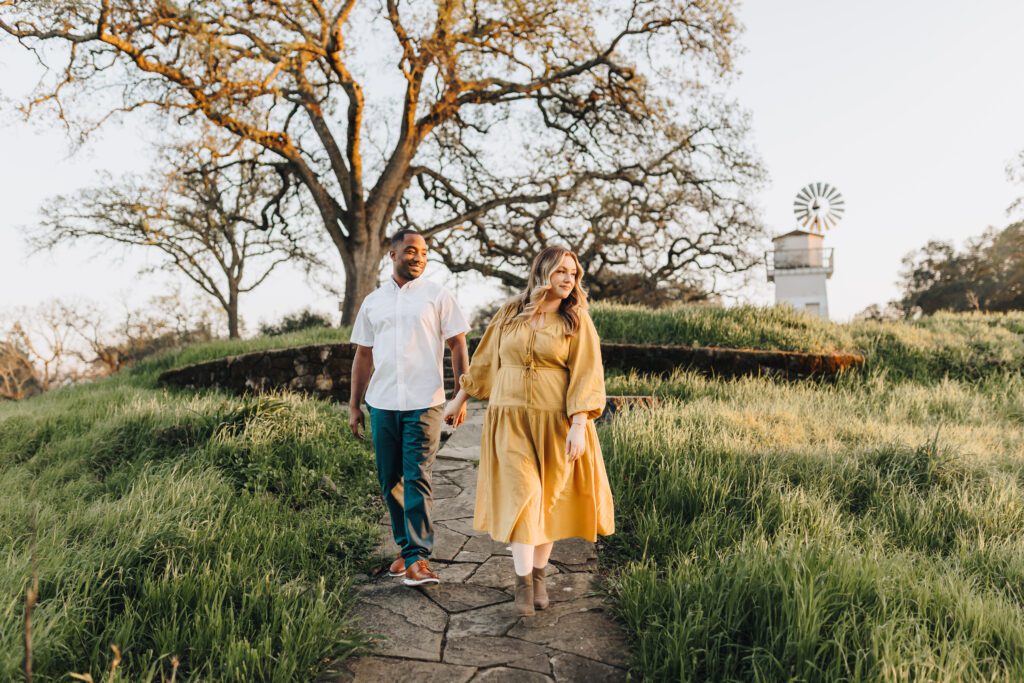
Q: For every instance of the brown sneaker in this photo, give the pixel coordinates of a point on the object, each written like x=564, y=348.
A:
x=419, y=573
x=397, y=567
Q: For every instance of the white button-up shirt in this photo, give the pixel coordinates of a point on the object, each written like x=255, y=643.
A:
x=407, y=328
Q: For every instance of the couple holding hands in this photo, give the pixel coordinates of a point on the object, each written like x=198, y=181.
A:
x=541, y=476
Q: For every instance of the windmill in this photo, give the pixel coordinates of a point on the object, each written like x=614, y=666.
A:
x=819, y=207
x=799, y=265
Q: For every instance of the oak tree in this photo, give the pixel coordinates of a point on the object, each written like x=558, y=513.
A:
x=219, y=220
x=494, y=126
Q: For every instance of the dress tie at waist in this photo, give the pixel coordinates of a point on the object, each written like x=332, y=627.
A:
x=531, y=367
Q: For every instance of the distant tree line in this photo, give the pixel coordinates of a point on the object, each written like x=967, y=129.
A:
x=60, y=343
x=987, y=274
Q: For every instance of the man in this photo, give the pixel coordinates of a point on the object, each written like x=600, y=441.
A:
x=399, y=333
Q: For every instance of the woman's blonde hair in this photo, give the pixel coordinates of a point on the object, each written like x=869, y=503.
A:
x=524, y=306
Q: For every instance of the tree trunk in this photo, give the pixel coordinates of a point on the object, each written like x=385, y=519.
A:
x=232, y=311
x=362, y=268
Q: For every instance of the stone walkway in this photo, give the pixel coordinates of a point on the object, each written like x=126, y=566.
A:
x=464, y=629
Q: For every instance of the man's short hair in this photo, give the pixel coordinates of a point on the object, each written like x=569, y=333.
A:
x=399, y=237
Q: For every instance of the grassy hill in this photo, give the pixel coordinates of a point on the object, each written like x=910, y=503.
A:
x=948, y=344
x=867, y=530
x=196, y=526
x=861, y=530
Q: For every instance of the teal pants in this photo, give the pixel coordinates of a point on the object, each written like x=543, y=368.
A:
x=406, y=442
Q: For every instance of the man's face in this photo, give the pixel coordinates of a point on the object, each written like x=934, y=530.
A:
x=410, y=258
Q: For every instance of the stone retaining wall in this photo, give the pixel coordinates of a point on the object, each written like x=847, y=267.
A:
x=323, y=370
x=319, y=370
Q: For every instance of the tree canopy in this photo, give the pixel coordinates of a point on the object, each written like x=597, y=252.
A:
x=494, y=126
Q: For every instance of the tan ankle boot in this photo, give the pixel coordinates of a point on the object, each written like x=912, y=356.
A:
x=540, y=591
x=524, y=596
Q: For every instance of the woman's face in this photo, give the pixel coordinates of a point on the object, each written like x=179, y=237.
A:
x=564, y=278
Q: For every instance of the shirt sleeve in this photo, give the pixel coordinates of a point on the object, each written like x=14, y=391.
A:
x=586, y=371
x=453, y=321
x=480, y=377
x=362, y=330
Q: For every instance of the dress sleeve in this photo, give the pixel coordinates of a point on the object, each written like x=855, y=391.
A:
x=586, y=372
x=479, y=378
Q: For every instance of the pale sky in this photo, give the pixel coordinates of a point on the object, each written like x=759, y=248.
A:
x=912, y=108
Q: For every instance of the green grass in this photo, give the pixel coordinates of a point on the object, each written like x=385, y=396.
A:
x=862, y=531
x=171, y=524
x=741, y=327
x=956, y=345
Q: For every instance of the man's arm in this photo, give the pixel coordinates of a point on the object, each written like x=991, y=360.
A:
x=362, y=368
x=460, y=365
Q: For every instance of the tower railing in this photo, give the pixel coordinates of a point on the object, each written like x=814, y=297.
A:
x=798, y=259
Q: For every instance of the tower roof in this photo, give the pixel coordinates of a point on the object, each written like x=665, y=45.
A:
x=798, y=231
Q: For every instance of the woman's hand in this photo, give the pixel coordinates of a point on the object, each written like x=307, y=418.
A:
x=455, y=411
x=576, y=442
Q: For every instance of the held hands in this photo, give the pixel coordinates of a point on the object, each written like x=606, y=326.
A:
x=455, y=412
x=575, y=443
x=355, y=420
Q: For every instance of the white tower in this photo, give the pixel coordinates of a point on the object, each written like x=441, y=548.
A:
x=799, y=264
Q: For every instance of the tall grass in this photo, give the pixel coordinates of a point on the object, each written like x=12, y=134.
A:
x=959, y=345
x=197, y=526
x=867, y=530
x=750, y=327
x=956, y=345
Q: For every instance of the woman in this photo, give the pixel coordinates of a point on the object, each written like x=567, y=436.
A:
x=541, y=476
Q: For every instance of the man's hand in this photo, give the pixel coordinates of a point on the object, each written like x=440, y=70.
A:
x=455, y=412
x=356, y=420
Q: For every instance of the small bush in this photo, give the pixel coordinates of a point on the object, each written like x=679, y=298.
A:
x=295, y=322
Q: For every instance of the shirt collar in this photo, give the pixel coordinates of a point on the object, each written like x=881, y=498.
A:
x=409, y=286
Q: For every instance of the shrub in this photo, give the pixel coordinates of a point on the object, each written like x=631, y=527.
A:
x=294, y=322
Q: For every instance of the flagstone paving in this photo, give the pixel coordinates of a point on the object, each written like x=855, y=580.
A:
x=464, y=629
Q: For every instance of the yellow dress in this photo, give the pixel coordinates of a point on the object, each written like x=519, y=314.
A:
x=533, y=381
